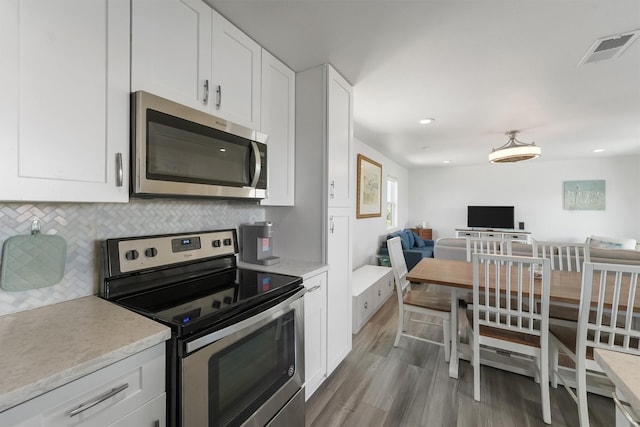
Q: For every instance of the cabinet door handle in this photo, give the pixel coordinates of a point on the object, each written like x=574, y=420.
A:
x=109, y=394
x=156, y=423
x=219, y=95
x=205, y=97
x=119, y=170
x=315, y=288
x=331, y=225
x=332, y=189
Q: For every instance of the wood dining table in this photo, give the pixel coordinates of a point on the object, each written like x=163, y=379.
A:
x=458, y=275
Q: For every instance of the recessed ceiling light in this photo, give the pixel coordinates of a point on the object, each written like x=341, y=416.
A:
x=446, y=161
x=426, y=121
x=598, y=150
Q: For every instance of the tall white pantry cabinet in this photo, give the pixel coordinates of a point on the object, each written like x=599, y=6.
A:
x=319, y=226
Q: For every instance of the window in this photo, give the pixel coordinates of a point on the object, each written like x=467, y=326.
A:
x=392, y=202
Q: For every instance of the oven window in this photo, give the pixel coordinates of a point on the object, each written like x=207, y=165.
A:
x=180, y=150
x=244, y=375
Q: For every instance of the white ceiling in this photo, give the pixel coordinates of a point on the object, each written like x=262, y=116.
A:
x=480, y=68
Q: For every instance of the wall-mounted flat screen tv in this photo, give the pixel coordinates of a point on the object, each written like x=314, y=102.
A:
x=490, y=217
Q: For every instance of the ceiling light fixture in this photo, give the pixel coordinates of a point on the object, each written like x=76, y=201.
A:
x=598, y=150
x=514, y=150
x=427, y=120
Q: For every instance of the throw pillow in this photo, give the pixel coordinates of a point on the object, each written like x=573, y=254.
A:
x=419, y=242
x=404, y=240
x=611, y=243
x=409, y=234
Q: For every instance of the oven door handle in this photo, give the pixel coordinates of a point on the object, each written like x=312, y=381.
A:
x=217, y=335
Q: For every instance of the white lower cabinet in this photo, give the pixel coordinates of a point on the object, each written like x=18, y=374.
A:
x=338, y=287
x=315, y=333
x=128, y=393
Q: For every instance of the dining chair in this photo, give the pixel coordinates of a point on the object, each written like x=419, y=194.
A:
x=609, y=321
x=432, y=302
x=564, y=257
x=511, y=324
x=488, y=245
x=485, y=245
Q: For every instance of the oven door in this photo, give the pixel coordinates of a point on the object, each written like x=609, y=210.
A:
x=246, y=373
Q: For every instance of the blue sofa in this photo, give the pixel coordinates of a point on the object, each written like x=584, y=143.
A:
x=413, y=247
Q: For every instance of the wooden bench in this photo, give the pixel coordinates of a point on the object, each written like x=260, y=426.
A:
x=371, y=286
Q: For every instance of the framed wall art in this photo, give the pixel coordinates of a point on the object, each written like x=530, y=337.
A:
x=584, y=195
x=369, y=188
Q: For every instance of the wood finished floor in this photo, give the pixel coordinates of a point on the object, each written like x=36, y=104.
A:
x=379, y=385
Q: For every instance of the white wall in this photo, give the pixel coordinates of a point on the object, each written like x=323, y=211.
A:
x=535, y=188
x=370, y=232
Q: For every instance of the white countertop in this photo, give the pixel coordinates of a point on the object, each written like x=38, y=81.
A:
x=624, y=371
x=46, y=347
x=304, y=269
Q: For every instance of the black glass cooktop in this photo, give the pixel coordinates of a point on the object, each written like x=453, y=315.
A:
x=204, y=301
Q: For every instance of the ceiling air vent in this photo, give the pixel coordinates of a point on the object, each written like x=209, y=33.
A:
x=609, y=47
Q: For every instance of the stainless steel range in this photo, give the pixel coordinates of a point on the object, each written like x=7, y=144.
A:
x=236, y=356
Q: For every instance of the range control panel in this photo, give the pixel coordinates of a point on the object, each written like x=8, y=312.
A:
x=139, y=253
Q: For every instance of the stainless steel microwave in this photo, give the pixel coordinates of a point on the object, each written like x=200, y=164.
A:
x=177, y=151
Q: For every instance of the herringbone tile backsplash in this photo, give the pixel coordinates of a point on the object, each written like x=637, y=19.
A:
x=84, y=225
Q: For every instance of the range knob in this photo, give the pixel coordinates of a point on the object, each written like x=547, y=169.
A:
x=227, y=300
x=216, y=304
x=131, y=255
x=216, y=243
x=227, y=242
x=150, y=252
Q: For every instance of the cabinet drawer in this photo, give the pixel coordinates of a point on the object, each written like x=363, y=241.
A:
x=491, y=235
x=467, y=234
x=521, y=237
x=383, y=288
x=363, y=307
x=97, y=399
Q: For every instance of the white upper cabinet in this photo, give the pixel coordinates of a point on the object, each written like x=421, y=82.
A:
x=64, y=82
x=171, y=50
x=235, y=74
x=339, y=138
x=185, y=51
x=278, y=122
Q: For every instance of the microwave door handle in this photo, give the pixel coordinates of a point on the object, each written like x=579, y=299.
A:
x=257, y=166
